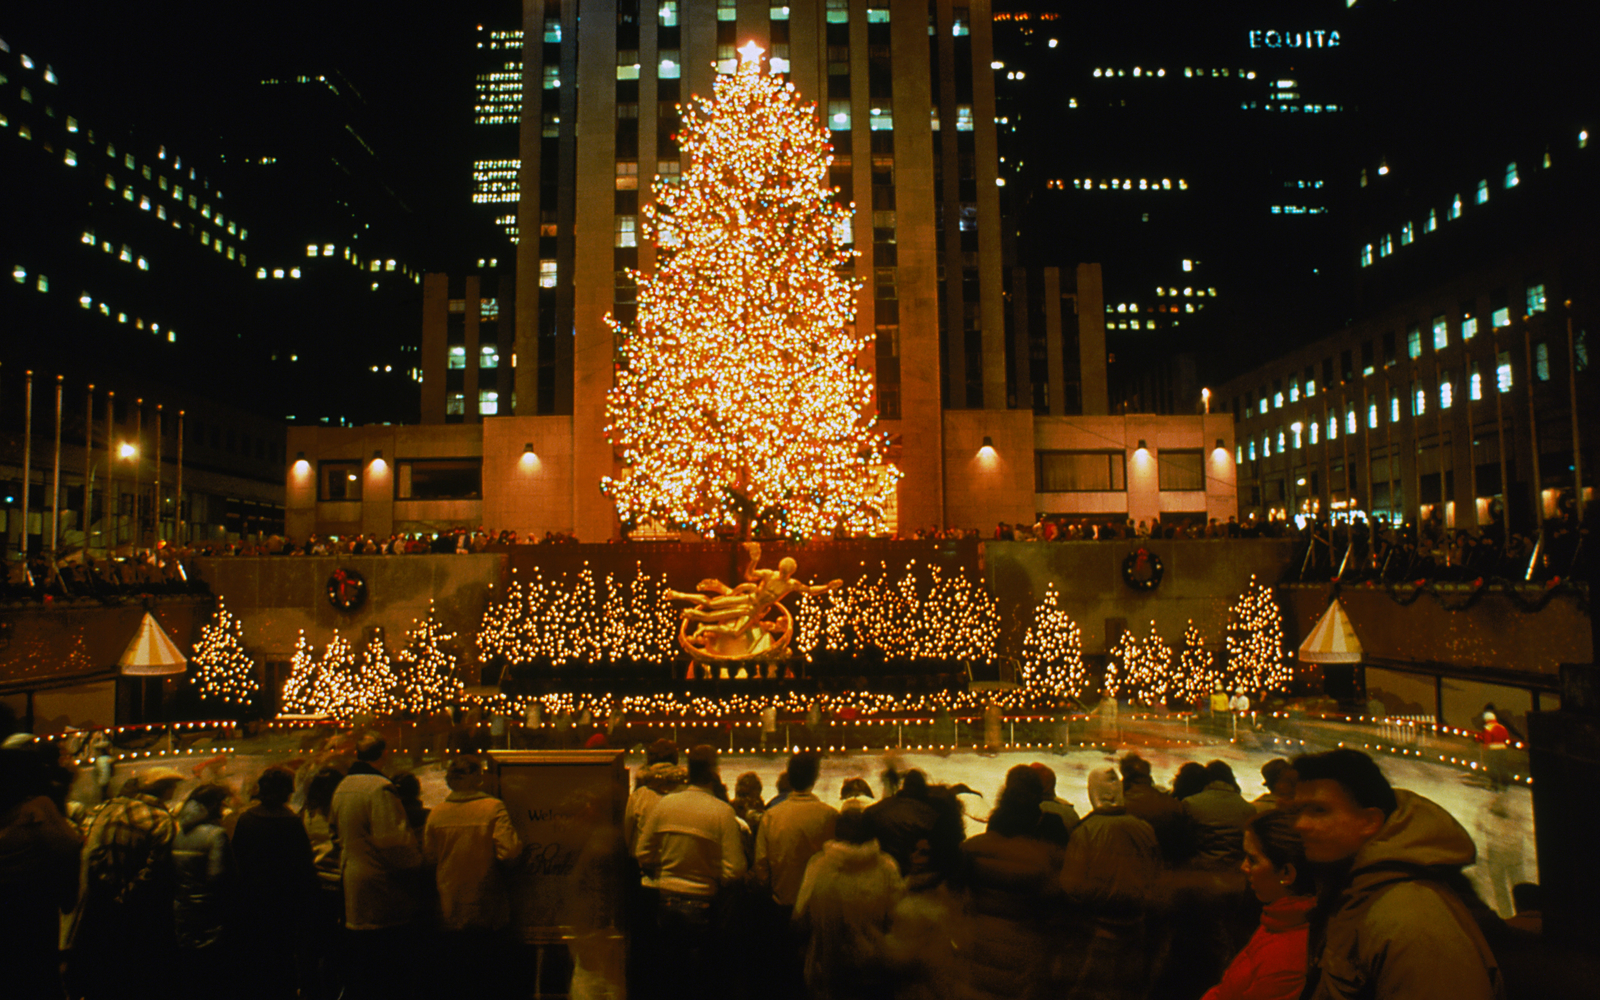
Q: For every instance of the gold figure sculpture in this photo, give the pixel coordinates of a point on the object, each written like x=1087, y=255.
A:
x=747, y=622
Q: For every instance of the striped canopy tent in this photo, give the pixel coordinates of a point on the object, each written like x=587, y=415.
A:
x=151, y=653
x=1332, y=640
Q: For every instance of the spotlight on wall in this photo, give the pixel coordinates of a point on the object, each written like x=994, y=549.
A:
x=377, y=455
x=299, y=456
x=987, y=449
x=1143, y=446
x=1221, y=446
x=528, y=448
x=528, y=456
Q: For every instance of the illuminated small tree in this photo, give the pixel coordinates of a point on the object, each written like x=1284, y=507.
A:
x=1197, y=668
x=1146, y=668
x=1255, y=641
x=336, y=684
x=223, y=672
x=739, y=396
x=1052, y=652
x=428, y=675
x=297, y=688
x=380, y=691
x=1124, y=652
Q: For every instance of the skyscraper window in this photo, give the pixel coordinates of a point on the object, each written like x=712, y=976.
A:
x=1483, y=192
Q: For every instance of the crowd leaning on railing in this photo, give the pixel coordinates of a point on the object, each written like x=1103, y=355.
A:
x=346, y=879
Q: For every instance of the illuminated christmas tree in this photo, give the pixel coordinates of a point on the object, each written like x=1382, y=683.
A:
x=1197, y=668
x=380, y=691
x=297, y=688
x=1052, y=652
x=1146, y=668
x=1124, y=651
x=428, y=667
x=738, y=395
x=336, y=685
x=1255, y=641
x=223, y=672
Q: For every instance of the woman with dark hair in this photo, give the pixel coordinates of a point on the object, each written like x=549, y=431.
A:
x=843, y=909
x=1011, y=877
x=277, y=882
x=1191, y=779
x=1273, y=965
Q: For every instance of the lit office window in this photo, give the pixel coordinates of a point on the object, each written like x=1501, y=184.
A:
x=1294, y=392
x=839, y=115
x=1447, y=391
x=963, y=118
x=778, y=13
x=1413, y=342
x=488, y=402
x=1266, y=446
x=1500, y=317
x=552, y=77
x=457, y=357
x=1455, y=208
x=1296, y=428
x=625, y=232
x=1432, y=223
x=1351, y=423
x=1313, y=430
x=1511, y=175
x=1394, y=409
x=1475, y=383
x=627, y=175
x=1469, y=327
x=1282, y=440
x=1252, y=451
x=1483, y=192
x=1541, y=361
x=1264, y=405
x=671, y=67
x=1366, y=255
x=667, y=13
x=1333, y=427
x=728, y=10
x=1386, y=245
x=311, y=250
x=488, y=356
x=627, y=64
x=1536, y=301
x=878, y=15
x=1503, y=371
x=455, y=404
x=1441, y=333
x=882, y=120
x=1407, y=234
x=1277, y=401
x=1419, y=402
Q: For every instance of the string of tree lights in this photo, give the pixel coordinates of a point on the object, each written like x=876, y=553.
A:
x=224, y=672
x=737, y=395
x=1256, y=659
x=1052, y=651
x=1197, y=674
x=924, y=618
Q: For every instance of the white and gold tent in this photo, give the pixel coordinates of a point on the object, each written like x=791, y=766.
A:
x=151, y=653
x=1332, y=640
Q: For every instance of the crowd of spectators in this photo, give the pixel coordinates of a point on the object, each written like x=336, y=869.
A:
x=1332, y=884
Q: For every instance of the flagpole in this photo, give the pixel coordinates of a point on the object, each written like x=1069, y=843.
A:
x=55, y=485
x=88, y=469
x=27, y=457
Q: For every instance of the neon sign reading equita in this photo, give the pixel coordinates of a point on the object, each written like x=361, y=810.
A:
x=1271, y=39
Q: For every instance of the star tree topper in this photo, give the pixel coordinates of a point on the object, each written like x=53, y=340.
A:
x=738, y=394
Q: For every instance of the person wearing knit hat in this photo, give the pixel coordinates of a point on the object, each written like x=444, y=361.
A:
x=1107, y=874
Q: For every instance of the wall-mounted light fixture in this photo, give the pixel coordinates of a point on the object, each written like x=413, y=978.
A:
x=377, y=456
x=986, y=450
x=299, y=456
x=1143, y=446
x=1221, y=446
x=528, y=448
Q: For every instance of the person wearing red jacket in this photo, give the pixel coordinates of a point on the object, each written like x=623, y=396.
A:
x=1273, y=965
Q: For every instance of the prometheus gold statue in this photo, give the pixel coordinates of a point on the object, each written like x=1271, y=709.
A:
x=746, y=622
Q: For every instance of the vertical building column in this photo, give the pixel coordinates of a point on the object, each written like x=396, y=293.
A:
x=921, y=426
x=525, y=335
x=1021, y=359
x=593, y=350
x=991, y=291
x=1054, y=349
x=434, y=359
x=1092, y=341
x=469, y=380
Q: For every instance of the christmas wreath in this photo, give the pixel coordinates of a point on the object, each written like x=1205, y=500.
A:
x=1142, y=569
x=347, y=589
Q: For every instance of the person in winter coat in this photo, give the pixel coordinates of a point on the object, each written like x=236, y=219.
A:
x=38, y=877
x=1158, y=808
x=844, y=907
x=124, y=915
x=1108, y=873
x=469, y=839
x=277, y=883
x=1012, y=877
x=1272, y=965
x=792, y=833
x=660, y=776
x=203, y=863
x=904, y=819
x=1391, y=921
x=1218, y=814
x=379, y=864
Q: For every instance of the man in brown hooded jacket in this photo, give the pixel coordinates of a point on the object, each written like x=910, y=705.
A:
x=1388, y=924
